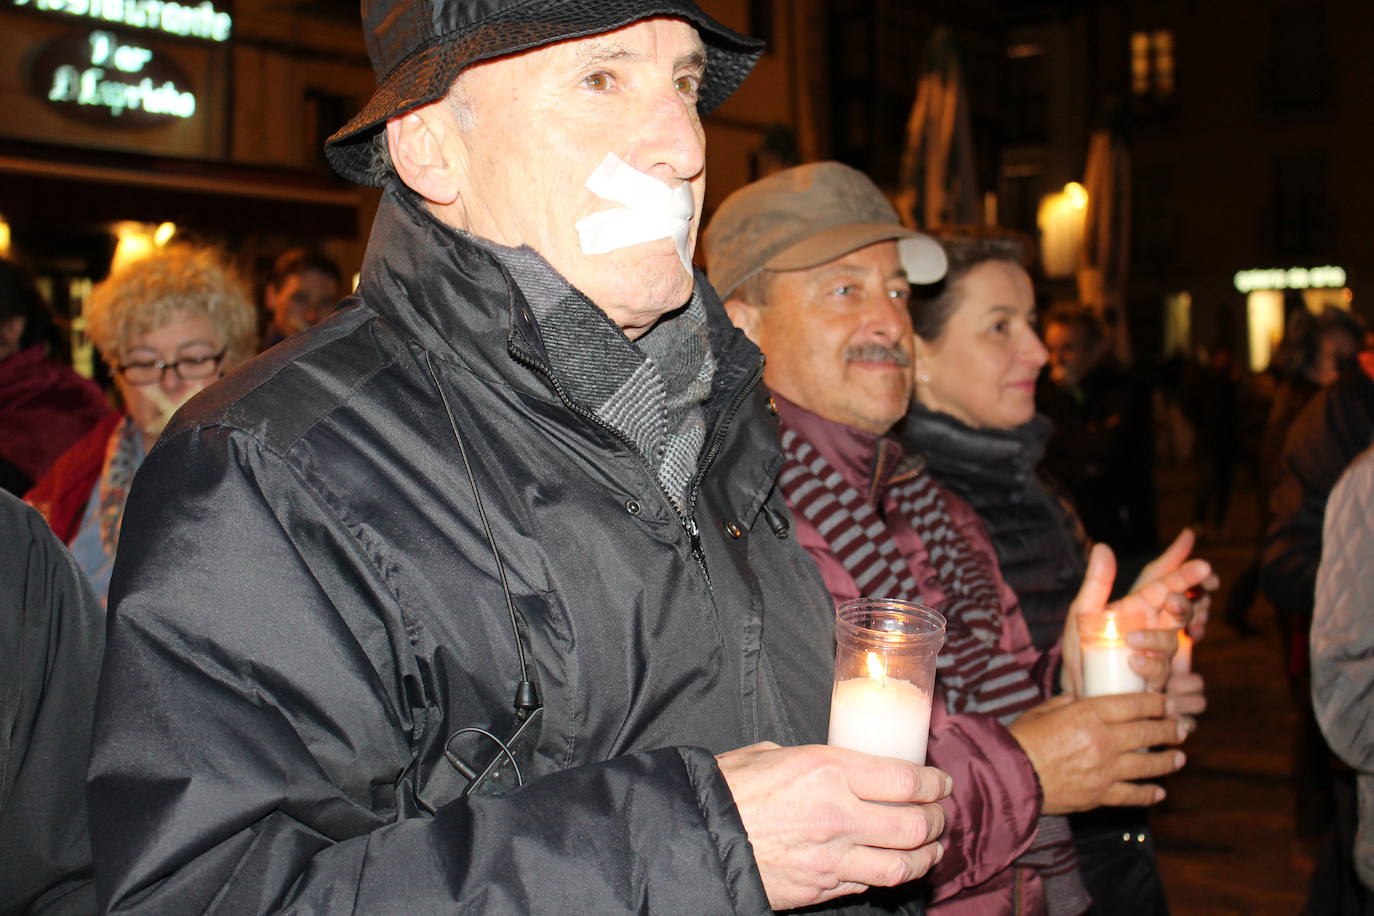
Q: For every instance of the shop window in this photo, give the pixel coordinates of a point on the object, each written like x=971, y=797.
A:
x=326, y=112
x=1299, y=73
x=1018, y=203
x=1152, y=64
x=1302, y=211
x=1178, y=324
x=1152, y=217
x=1264, y=326
x=1027, y=102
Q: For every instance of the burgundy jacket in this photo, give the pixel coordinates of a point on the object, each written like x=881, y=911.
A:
x=991, y=816
x=44, y=408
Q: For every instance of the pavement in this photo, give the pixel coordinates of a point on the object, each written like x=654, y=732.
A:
x=1225, y=833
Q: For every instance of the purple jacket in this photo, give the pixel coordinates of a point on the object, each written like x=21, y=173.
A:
x=991, y=816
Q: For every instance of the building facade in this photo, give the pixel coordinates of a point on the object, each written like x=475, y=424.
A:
x=118, y=117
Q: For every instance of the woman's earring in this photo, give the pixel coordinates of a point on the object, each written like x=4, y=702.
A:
x=924, y=378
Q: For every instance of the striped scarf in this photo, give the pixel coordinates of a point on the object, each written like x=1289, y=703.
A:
x=652, y=389
x=975, y=674
x=123, y=456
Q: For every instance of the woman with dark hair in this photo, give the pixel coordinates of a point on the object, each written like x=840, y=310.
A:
x=44, y=405
x=973, y=420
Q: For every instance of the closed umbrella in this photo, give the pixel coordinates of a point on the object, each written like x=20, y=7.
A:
x=1104, y=260
x=938, y=182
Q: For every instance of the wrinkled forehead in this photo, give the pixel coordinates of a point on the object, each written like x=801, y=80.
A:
x=663, y=40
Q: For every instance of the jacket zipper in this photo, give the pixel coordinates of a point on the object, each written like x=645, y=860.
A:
x=688, y=519
x=721, y=427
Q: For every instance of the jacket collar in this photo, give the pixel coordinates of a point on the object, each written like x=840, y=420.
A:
x=452, y=295
x=951, y=445
x=868, y=462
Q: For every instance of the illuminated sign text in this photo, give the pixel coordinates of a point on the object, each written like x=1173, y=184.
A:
x=183, y=20
x=111, y=81
x=1293, y=278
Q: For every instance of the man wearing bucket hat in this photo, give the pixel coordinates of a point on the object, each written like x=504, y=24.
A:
x=478, y=596
x=816, y=268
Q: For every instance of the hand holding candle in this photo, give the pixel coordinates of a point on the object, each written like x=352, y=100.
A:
x=1145, y=621
x=885, y=652
x=1106, y=656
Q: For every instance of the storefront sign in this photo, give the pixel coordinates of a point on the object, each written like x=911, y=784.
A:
x=106, y=79
x=182, y=20
x=1293, y=278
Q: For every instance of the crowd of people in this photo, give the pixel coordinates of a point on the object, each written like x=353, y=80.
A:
x=509, y=586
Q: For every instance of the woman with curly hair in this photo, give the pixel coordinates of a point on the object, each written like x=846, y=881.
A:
x=167, y=326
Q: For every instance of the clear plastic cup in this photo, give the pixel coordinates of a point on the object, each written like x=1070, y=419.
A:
x=1106, y=657
x=885, y=651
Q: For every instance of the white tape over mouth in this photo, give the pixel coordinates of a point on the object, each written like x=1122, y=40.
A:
x=652, y=210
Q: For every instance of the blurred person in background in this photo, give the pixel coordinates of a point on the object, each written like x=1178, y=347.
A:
x=1102, y=447
x=1336, y=425
x=44, y=405
x=1309, y=359
x=1315, y=348
x=977, y=357
x=303, y=288
x=167, y=326
x=1213, y=402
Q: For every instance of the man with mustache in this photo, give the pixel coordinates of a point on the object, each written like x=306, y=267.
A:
x=816, y=269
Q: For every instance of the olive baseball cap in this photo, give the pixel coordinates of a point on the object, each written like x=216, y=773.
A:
x=418, y=48
x=803, y=217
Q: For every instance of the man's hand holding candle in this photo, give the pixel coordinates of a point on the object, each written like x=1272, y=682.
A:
x=1160, y=599
x=825, y=821
x=1088, y=752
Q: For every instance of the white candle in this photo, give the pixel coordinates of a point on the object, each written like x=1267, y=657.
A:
x=1107, y=664
x=1183, y=658
x=1107, y=669
x=880, y=715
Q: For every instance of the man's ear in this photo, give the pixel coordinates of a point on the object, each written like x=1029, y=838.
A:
x=745, y=316
x=425, y=153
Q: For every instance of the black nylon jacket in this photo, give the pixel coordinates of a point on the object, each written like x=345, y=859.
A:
x=306, y=609
x=1041, y=546
x=52, y=630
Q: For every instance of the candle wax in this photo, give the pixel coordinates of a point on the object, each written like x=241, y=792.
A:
x=889, y=717
x=1107, y=669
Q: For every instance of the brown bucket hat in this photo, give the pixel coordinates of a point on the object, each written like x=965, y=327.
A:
x=418, y=48
x=803, y=217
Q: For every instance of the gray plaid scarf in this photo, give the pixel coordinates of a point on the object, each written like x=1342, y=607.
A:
x=975, y=674
x=651, y=389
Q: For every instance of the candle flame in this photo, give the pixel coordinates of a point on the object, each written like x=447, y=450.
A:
x=1109, y=631
x=876, y=669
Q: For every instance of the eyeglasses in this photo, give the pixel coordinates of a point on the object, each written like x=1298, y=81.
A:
x=190, y=369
